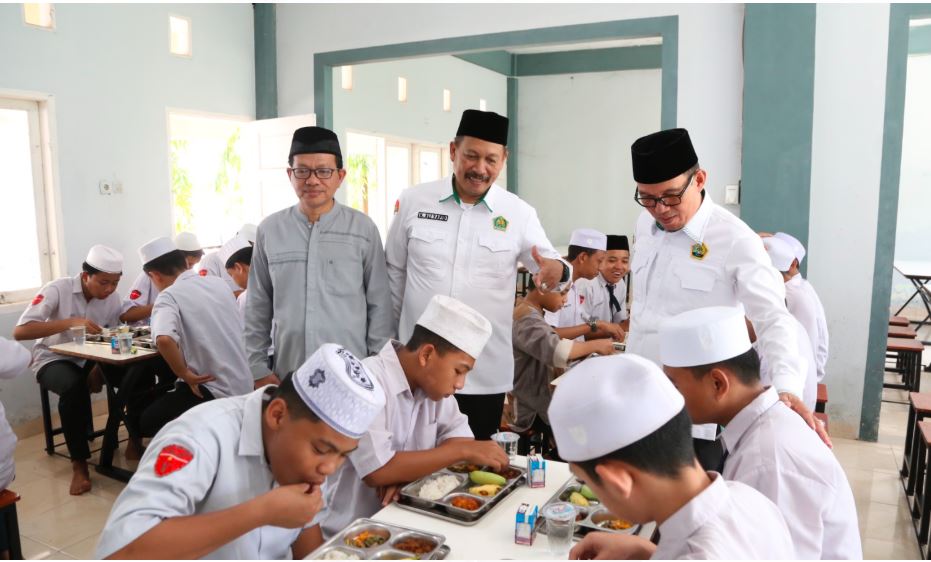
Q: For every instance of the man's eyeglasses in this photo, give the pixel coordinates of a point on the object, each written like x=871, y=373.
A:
x=667, y=200
x=321, y=173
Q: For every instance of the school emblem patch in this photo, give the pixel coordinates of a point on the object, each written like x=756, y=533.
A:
x=397, y=206
x=316, y=379
x=581, y=299
x=699, y=251
x=354, y=370
x=171, y=459
x=135, y=294
x=202, y=272
x=38, y=299
x=500, y=223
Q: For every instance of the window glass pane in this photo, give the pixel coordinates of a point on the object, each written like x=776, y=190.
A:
x=19, y=268
x=398, y=172
x=180, y=35
x=39, y=14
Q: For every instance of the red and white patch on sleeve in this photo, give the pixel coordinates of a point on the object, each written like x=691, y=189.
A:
x=581, y=299
x=397, y=206
x=171, y=459
x=39, y=298
x=135, y=294
x=202, y=272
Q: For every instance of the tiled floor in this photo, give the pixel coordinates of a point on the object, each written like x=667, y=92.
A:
x=57, y=526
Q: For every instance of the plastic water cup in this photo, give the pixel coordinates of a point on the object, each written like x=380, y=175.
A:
x=78, y=335
x=507, y=440
x=560, y=527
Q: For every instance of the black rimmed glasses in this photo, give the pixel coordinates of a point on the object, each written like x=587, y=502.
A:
x=321, y=173
x=668, y=200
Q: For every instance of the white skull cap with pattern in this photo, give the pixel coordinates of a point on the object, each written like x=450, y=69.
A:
x=703, y=336
x=339, y=390
x=607, y=403
x=797, y=246
x=232, y=246
x=188, y=242
x=248, y=231
x=780, y=253
x=105, y=259
x=156, y=248
x=457, y=323
x=589, y=238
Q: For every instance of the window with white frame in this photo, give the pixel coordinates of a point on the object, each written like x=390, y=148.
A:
x=179, y=36
x=24, y=215
x=380, y=167
x=39, y=15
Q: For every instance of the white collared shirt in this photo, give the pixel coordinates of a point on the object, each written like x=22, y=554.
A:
x=410, y=421
x=227, y=467
x=808, y=366
x=203, y=319
x=437, y=245
x=142, y=293
x=210, y=265
x=14, y=360
x=597, y=300
x=61, y=299
x=803, y=302
x=772, y=450
x=727, y=520
x=735, y=270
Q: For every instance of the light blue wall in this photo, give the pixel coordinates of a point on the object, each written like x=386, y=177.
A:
x=113, y=79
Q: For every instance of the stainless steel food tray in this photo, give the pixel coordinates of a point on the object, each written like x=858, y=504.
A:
x=591, y=515
x=386, y=550
x=443, y=509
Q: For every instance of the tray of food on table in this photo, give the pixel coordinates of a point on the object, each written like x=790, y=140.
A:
x=590, y=515
x=366, y=539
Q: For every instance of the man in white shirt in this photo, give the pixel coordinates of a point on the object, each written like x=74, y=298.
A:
x=240, y=478
x=463, y=236
x=708, y=356
x=801, y=299
x=624, y=430
x=690, y=253
x=420, y=429
x=606, y=295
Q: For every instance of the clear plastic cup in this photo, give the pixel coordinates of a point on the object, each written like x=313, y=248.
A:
x=560, y=527
x=507, y=440
x=78, y=335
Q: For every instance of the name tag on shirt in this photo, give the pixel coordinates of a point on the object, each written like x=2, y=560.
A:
x=432, y=216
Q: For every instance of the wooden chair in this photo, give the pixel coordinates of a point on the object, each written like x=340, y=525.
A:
x=8, y=499
x=899, y=321
x=822, y=399
x=907, y=355
x=919, y=407
x=921, y=501
x=902, y=332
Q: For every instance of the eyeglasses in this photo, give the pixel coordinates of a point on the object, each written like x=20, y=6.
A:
x=667, y=200
x=321, y=173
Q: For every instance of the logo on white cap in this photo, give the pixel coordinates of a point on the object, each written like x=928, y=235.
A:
x=354, y=370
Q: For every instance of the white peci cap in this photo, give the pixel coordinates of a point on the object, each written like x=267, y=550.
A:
x=588, y=238
x=780, y=253
x=188, y=242
x=105, y=259
x=703, y=336
x=457, y=323
x=156, y=248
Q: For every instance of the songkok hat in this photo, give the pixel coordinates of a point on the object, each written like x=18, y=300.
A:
x=797, y=246
x=780, y=252
x=485, y=125
x=156, y=248
x=607, y=403
x=662, y=156
x=340, y=390
x=232, y=246
x=457, y=323
x=315, y=140
x=617, y=242
x=703, y=336
x=588, y=238
x=188, y=242
x=105, y=259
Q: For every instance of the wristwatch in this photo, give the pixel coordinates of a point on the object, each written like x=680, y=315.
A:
x=593, y=325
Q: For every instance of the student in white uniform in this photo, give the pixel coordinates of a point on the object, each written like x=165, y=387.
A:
x=463, y=236
x=801, y=299
x=14, y=361
x=421, y=429
x=573, y=321
x=240, y=478
x=623, y=428
x=198, y=331
x=88, y=299
x=212, y=263
x=707, y=355
x=690, y=253
x=237, y=258
x=606, y=295
x=137, y=307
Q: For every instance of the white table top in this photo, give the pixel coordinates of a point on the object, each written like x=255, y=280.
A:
x=493, y=537
x=909, y=268
x=101, y=352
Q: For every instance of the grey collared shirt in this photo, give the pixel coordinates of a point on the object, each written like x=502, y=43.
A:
x=323, y=282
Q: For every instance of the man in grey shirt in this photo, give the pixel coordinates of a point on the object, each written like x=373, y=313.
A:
x=318, y=268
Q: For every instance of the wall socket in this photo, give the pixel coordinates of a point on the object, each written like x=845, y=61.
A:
x=731, y=194
x=106, y=187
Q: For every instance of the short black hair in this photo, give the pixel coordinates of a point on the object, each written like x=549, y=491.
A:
x=339, y=159
x=297, y=408
x=171, y=263
x=665, y=452
x=422, y=336
x=746, y=367
x=575, y=251
x=192, y=253
x=242, y=255
x=89, y=269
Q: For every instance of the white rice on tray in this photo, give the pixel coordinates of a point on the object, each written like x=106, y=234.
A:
x=438, y=487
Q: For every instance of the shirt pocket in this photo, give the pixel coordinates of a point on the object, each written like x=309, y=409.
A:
x=342, y=270
x=287, y=271
x=493, y=262
x=696, y=277
x=427, y=251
